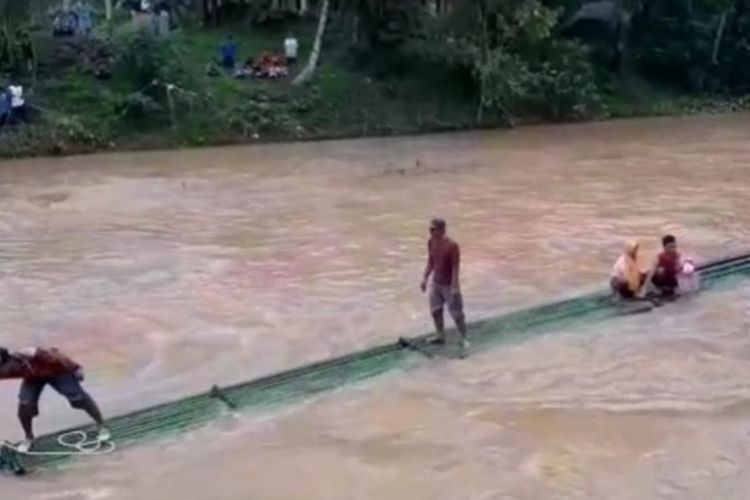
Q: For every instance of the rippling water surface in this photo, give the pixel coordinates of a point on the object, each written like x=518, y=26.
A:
x=165, y=273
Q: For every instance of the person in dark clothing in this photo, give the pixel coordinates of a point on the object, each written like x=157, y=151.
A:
x=4, y=107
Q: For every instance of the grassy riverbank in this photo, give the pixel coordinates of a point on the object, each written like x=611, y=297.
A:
x=349, y=97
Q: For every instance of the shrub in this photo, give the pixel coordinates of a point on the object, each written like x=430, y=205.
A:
x=565, y=86
x=144, y=59
x=559, y=85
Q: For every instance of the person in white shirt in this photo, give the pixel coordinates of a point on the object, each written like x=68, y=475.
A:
x=291, y=48
x=17, y=103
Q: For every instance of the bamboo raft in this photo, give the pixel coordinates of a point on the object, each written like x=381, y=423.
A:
x=188, y=413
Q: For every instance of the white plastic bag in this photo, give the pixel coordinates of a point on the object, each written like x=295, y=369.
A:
x=688, y=280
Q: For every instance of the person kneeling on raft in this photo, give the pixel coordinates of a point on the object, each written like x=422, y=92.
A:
x=627, y=281
x=671, y=274
x=38, y=368
x=666, y=268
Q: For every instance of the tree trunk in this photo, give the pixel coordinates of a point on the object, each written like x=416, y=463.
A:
x=206, y=12
x=738, y=12
x=484, y=56
x=210, y=12
x=312, y=63
x=717, y=39
x=108, y=9
x=355, y=29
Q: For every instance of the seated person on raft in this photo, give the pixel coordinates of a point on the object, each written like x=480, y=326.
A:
x=667, y=267
x=671, y=275
x=627, y=281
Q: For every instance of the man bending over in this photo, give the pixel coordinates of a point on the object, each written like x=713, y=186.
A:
x=38, y=368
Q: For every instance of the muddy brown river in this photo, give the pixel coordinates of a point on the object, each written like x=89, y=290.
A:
x=167, y=272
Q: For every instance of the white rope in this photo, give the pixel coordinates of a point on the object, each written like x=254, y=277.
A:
x=76, y=443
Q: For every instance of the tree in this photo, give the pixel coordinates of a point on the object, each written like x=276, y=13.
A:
x=309, y=71
x=695, y=44
x=517, y=63
x=387, y=22
x=14, y=16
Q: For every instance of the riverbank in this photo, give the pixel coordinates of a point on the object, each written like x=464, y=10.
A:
x=70, y=137
x=77, y=113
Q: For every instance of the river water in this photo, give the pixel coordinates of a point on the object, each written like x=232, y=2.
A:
x=167, y=272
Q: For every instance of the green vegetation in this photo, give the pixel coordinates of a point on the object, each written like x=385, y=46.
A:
x=386, y=67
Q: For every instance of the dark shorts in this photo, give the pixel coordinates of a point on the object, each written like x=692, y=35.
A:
x=667, y=284
x=18, y=115
x=66, y=385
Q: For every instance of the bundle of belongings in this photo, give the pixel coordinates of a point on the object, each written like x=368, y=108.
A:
x=268, y=65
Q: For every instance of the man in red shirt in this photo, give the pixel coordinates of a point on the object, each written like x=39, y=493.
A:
x=37, y=368
x=667, y=267
x=443, y=262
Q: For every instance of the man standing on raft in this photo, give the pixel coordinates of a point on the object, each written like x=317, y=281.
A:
x=37, y=368
x=443, y=262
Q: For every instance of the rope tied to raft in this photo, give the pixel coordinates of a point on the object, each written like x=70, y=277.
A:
x=73, y=443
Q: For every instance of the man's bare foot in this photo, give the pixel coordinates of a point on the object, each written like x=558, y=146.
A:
x=25, y=445
x=439, y=340
x=103, y=434
x=463, y=347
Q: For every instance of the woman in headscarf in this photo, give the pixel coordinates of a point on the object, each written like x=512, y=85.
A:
x=627, y=280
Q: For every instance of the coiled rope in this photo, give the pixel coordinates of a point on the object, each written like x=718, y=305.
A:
x=73, y=443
